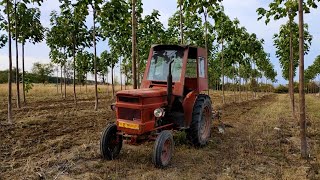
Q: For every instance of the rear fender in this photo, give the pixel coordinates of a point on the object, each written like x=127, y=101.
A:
x=188, y=104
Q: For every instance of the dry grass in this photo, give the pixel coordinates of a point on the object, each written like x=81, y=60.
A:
x=54, y=139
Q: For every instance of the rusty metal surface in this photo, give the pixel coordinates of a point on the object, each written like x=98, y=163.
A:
x=188, y=104
x=143, y=93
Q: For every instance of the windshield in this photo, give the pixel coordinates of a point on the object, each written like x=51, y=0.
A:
x=159, y=66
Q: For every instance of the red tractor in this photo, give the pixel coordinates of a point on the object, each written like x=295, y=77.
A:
x=169, y=99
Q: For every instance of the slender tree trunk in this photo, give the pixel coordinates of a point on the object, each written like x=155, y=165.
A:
x=74, y=75
x=291, y=85
x=234, y=85
x=303, y=128
x=247, y=94
x=112, y=82
x=86, y=82
x=239, y=84
x=23, y=77
x=65, y=83
x=134, y=46
x=95, y=60
x=181, y=21
x=222, y=71
x=138, y=72
x=107, y=85
x=120, y=74
x=17, y=55
x=61, y=68
x=10, y=68
x=57, y=79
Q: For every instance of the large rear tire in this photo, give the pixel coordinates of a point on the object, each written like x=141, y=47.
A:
x=200, y=128
x=110, y=143
x=163, y=149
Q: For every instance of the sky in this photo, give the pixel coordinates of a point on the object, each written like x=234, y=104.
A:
x=244, y=10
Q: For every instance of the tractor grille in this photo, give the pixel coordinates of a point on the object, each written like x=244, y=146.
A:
x=129, y=99
x=128, y=114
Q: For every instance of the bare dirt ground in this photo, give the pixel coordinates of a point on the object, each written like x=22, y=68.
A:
x=53, y=139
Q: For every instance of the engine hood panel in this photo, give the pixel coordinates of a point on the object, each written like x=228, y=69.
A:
x=146, y=92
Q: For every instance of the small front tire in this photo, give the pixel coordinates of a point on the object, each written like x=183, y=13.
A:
x=110, y=143
x=163, y=149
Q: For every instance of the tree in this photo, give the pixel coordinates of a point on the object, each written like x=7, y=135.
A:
x=28, y=27
x=150, y=31
x=42, y=71
x=77, y=37
x=279, y=9
x=56, y=40
x=8, y=6
x=116, y=22
x=58, y=57
x=3, y=37
x=134, y=45
x=95, y=7
x=84, y=65
x=314, y=70
x=284, y=53
x=17, y=54
x=224, y=28
x=109, y=59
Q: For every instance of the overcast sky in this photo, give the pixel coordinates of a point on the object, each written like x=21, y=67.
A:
x=244, y=10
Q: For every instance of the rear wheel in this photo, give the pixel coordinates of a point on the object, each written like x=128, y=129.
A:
x=110, y=143
x=200, y=128
x=163, y=149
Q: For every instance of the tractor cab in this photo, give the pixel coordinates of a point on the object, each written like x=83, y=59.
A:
x=169, y=99
x=188, y=69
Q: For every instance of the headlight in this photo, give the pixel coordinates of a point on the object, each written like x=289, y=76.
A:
x=159, y=112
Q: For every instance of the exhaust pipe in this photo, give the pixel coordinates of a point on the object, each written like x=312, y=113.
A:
x=169, y=86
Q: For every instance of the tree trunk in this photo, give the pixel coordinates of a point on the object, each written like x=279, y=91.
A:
x=303, y=128
x=65, y=83
x=247, y=94
x=86, y=82
x=134, y=44
x=181, y=23
x=233, y=88
x=239, y=84
x=120, y=74
x=61, y=81
x=291, y=85
x=74, y=75
x=107, y=85
x=138, y=72
x=57, y=80
x=112, y=82
x=23, y=76
x=95, y=60
x=17, y=55
x=222, y=71
x=10, y=68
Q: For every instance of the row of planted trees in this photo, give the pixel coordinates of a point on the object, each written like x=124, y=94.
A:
x=233, y=53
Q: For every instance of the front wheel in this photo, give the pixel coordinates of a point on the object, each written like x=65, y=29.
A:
x=110, y=143
x=163, y=149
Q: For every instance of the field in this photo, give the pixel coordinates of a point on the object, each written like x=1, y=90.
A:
x=53, y=139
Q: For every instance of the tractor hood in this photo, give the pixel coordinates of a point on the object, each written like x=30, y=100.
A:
x=143, y=93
